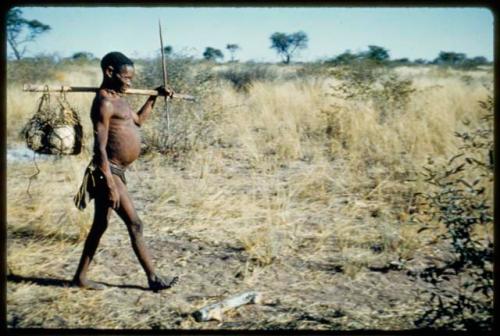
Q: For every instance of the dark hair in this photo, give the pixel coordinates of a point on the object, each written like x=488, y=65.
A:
x=116, y=60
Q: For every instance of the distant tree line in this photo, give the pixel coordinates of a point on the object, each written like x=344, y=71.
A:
x=380, y=55
x=21, y=32
x=287, y=46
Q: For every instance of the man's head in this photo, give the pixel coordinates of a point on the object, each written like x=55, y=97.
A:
x=118, y=70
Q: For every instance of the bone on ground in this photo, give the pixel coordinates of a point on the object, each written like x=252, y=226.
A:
x=215, y=311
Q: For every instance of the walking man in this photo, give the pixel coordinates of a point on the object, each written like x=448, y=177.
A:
x=117, y=144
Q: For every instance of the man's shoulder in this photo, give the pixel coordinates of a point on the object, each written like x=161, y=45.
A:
x=103, y=103
x=104, y=95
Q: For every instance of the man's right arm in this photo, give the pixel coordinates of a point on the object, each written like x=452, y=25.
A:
x=102, y=118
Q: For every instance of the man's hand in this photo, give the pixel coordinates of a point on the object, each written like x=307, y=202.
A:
x=114, y=198
x=166, y=92
x=150, y=103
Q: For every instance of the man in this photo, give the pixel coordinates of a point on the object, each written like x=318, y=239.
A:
x=117, y=144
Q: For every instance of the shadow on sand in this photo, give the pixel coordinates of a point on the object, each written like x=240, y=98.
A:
x=62, y=282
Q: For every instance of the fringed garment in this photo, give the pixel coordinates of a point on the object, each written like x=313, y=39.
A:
x=93, y=182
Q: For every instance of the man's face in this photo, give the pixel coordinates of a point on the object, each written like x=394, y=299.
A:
x=124, y=77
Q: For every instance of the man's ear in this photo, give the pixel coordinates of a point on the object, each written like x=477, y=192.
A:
x=109, y=71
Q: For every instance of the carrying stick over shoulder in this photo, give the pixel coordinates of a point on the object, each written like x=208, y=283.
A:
x=67, y=88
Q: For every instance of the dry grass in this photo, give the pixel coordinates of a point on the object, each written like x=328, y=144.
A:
x=303, y=196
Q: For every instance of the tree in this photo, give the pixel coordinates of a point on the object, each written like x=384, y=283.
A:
x=212, y=54
x=474, y=62
x=232, y=49
x=450, y=58
x=21, y=31
x=402, y=61
x=420, y=61
x=168, y=50
x=376, y=53
x=480, y=60
x=287, y=44
x=83, y=55
x=343, y=59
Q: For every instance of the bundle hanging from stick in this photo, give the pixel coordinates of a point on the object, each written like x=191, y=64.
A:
x=54, y=128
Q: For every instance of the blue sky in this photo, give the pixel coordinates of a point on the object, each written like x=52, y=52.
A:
x=405, y=32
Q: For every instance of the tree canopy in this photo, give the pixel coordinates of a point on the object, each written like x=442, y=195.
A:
x=376, y=53
x=21, y=31
x=168, y=50
x=212, y=54
x=232, y=47
x=83, y=55
x=287, y=44
x=450, y=58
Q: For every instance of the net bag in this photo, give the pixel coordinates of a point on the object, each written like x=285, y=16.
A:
x=55, y=128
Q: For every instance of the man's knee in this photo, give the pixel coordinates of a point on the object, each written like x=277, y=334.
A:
x=136, y=226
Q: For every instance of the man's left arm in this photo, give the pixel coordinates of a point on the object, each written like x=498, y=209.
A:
x=146, y=109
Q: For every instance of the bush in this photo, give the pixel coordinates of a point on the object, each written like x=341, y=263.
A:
x=185, y=123
x=150, y=73
x=242, y=76
x=460, y=197
x=312, y=70
x=369, y=82
x=33, y=70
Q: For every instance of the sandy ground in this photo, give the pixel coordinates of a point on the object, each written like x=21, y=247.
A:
x=302, y=289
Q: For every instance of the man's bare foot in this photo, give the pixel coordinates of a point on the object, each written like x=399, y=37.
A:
x=157, y=283
x=88, y=284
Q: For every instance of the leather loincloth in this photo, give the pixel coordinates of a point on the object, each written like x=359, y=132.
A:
x=118, y=171
x=93, y=182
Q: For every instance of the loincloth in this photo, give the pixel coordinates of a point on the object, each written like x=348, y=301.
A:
x=94, y=182
x=118, y=171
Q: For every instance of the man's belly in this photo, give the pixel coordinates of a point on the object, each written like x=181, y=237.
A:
x=124, y=144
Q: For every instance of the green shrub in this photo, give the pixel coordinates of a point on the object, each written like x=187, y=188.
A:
x=179, y=73
x=369, y=82
x=242, y=76
x=179, y=128
x=460, y=198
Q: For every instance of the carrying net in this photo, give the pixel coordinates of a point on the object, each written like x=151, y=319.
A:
x=55, y=128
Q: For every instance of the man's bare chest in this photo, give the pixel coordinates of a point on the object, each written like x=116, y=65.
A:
x=122, y=112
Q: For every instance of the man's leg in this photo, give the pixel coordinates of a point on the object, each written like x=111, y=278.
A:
x=99, y=226
x=128, y=214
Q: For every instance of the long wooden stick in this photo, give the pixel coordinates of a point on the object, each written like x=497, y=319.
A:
x=65, y=88
x=164, y=69
x=163, y=61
